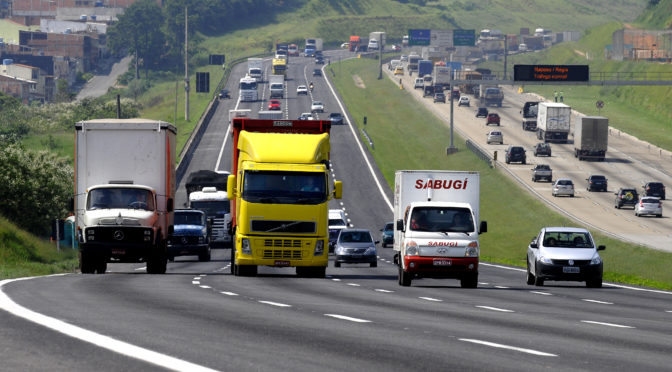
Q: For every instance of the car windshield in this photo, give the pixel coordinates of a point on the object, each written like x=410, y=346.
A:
x=274, y=187
x=543, y=167
x=650, y=200
x=442, y=219
x=567, y=239
x=565, y=182
x=189, y=218
x=355, y=237
x=389, y=227
x=597, y=178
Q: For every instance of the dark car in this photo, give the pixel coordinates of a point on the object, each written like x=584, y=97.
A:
x=656, y=189
x=319, y=60
x=336, y=118
x=224, y=93
x=515, y=154
x=482, y=112
x=191, y=235
x=428, y=91
x=542, y=148
x=317, y=72
x=387, y=234
x=596, y=182
x=493, y=118
x=626, y=196
x=439, y=97
x=456, y=93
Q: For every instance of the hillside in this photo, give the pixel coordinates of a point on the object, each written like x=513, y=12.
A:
x=658, y=14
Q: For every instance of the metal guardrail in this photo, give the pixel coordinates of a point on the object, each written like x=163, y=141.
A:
x=368, y=138
x=481, y=153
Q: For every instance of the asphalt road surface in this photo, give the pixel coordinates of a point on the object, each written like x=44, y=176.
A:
x=198, y=317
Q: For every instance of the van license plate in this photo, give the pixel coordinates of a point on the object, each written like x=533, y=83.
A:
x=281, y=263
x=570, y=269
x=442, y=262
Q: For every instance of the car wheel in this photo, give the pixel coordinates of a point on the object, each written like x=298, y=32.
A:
x=538, y=281
x=571, y=196
x=337, y=264
x=594, y=283
x=660, y=215
x=636, y=214
x=530, y=276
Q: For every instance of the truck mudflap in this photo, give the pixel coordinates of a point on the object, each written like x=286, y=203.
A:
x=441, y=267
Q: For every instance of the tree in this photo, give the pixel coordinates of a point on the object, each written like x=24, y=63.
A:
x=35, y=186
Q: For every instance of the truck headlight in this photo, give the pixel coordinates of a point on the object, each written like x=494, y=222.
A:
x=319, y=248
x=596, y=260
x=411, y=248
x=245, y=246
x=472, y=250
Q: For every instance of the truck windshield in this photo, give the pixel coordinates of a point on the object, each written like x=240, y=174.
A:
x=273, y=187
x=442, y=219
x=120, y=198
x=248, y=85
x=212, y=208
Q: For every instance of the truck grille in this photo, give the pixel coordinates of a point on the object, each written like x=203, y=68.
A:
x=178, y=240
x=118, y=234
x=282, y=243
x=282, y=254
x=303, y=227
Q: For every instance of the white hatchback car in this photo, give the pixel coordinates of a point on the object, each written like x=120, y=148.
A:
x=564, y=253
x=649, y=205
x=563, y=186
x=464, y=101
x=302, y=89
x=317, y=106
x=495, y=136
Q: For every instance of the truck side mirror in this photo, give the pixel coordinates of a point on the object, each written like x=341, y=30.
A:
x=170, y=205
x=338, y=189
x=230, y=186
x=484, y=227
x=400, y=225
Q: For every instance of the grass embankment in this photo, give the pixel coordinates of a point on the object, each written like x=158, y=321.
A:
x=22, y=254
x=407, y=136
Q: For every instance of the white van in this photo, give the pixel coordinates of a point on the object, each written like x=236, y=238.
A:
x=337, y=222
x=419, y=83
x=373, y=44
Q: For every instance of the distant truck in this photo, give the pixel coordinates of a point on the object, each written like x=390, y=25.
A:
x=413, y=60
x=276, y=84
x=206, y=191
x=591, y=138
x=124, y=192
x=469, y=75
x=553, y=122
x=280, y=189
x=355, y=42
x=491, y=95
x=247, y=89
x=436, y=227
x=425, y=67
x=441, y=77
x=378, y=37
x=255, y=68
x=529, y=113
x=312, y=45
x=293, y=50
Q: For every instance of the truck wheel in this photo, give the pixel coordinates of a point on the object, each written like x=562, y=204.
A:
x=205, y=257
x=247, y=270
x=469, y=281
x=157, y=261
x=86, y=263
x=318, y=272
x=101, y=265
x=404, y=278
x=337, y=264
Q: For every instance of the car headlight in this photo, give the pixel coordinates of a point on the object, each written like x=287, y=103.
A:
x=370, y=251
x=319, y=248
x=411, y=248
x=545, y=260
x=472, y=250
x=596, y=260
x=245, y=246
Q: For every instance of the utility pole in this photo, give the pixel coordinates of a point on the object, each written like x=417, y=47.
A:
x=186, y=64
x=380, y=57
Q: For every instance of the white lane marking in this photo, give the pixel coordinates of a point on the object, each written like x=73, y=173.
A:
x=597, y=302
x=356, y=320
x=336, y=280
x=502, y=267
x=106, y=342
x=353, y=284
x=359, y=144
x=606, y=324
x=542, y=293
x=141, y=268
x=197, y=278
x=229, y=293
x=275, y=304
x=383, y=290
x=195, y=282
x=501, y=287
x=496, y=309
x=514, y=348
x=430, y=299
x=483, y=283
x=205, y=286
x=668, y=311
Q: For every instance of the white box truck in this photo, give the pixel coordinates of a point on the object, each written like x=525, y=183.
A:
x=124, y=192
x=553, y=121
x=591, y=138
x=436, y=228
x=255, y=68
x=276, y=84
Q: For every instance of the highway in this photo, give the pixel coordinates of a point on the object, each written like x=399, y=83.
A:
x=198, y=317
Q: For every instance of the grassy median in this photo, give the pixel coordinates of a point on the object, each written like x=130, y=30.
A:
x=407, y=136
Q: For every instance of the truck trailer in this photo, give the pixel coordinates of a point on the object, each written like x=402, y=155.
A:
x=279, y=187
x=591, y=138
x=553, y=121
x=436, y=227
x=425, y=67
x=124, y=192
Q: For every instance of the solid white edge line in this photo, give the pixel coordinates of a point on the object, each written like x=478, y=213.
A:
x=105, y=342
x=354, y=135
x=495, y=309
x=501, y=346
x=597, y=302
x=606, y=324
x=275, y=304
x=343, y=317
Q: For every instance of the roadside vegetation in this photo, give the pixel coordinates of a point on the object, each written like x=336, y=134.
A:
x=407, y=136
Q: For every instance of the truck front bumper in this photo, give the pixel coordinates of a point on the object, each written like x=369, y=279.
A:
x=440, y=267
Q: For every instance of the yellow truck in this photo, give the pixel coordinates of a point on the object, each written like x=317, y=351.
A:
x=279, y=191
x=279, y=66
